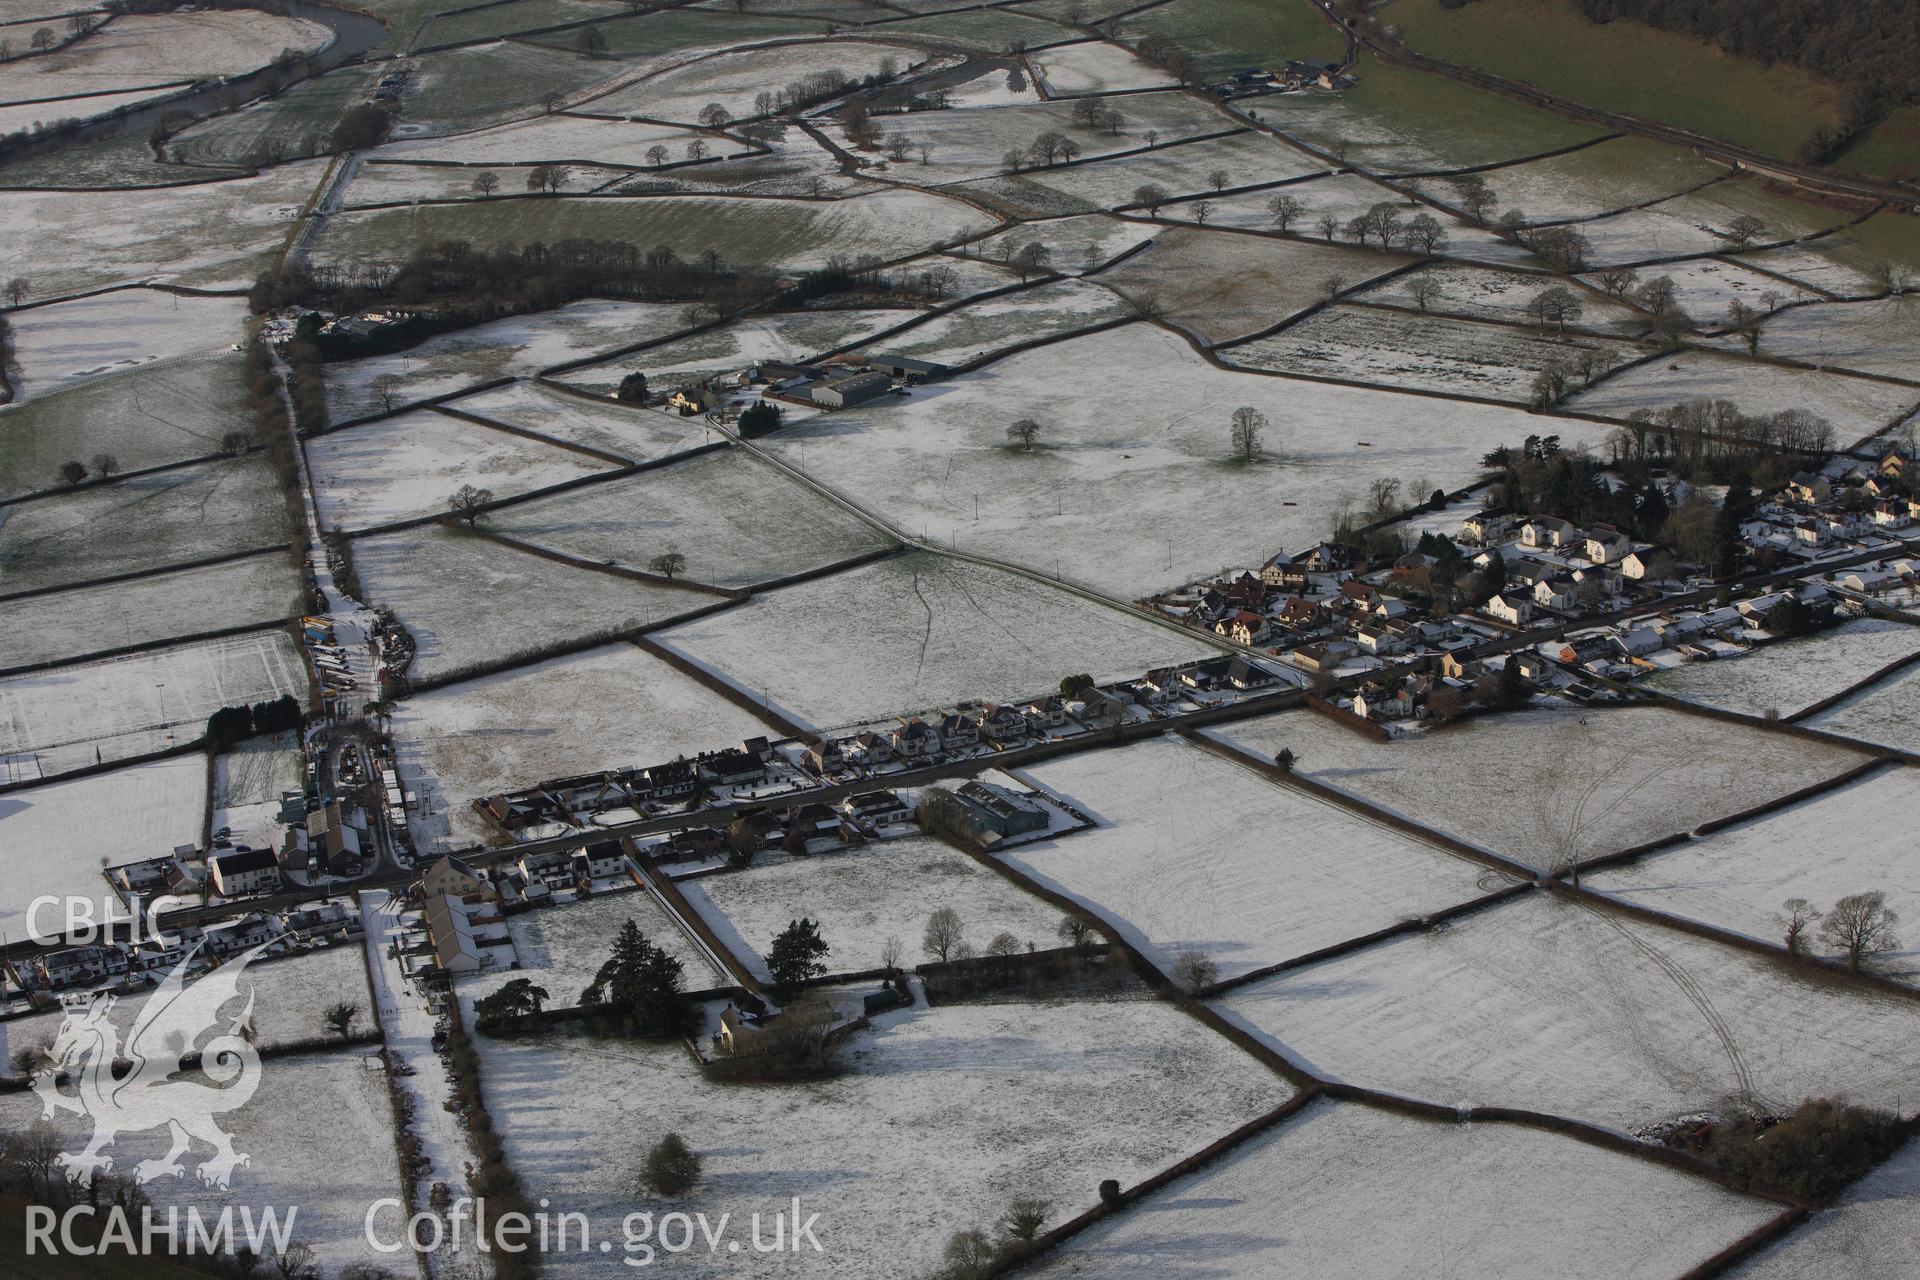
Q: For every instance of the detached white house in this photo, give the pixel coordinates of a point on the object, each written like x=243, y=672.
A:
x=1605, y=544
x=1515, y=611
x=1647, y=564
x=1548, y=531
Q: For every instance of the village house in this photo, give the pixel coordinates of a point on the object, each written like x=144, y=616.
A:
x=1283, y=574
x=1555, y=593
x=1243, y=627
x=1320, y=658
x=958, y=732
x=1301, y=613
x=1246, y=592
x=1549, y=533
x=877, y=808
x=868, y=749
x=669, y=783
x=451, y=875
x=826, y=757
x=244, y=872
x=696, y=844
x=1326, y=558
x=1002, y=726
x=1810, y=486
x=230, y=937
x=76, y=965
x=1515, y=611
x=1484, y=527
x=1379, y=703
x=915, y=742
x=1375, y=639
x=1648, y=564
x=1605, y=544
x=1047, y=713
x=463, y=934
x=598, y=861
x=733, y=767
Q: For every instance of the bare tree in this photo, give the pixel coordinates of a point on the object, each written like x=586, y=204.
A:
x=486, y=182
x=1860, y=925
x=715, y=116
x=1219, y=179
x=1024, y=433
x=944, y=934
x=469, y=503
x=1476, y=198
x=1744, y=230
x=1424, y=234
x=1076, y=931
x=1201, y=211
x=1024, y=1219
x=1424, y=289
x=892, y=951
x=296, y=1262
x=104, y=463
x=1283, y=209
x=1328, y=225
x=1030, y=259
x=1193, y=972
x=1799, y=916
x=17, y=289
x=898, y=145
x=657, y=154
x=1245, y=429
x=387, y=389
x=669, y=564
x=340, y=1017
x=1152, y=195
x=697, y=150
x=1013, y=160
x=1617, y=280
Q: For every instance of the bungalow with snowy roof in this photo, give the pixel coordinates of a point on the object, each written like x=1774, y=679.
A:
x=878, y=808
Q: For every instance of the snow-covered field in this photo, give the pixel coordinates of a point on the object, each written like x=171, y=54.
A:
x=733, y=79
x=601, y=709
x=138, y=50
x=469, y=601
x=1882, y=336
x=1185, y=169
x=1791, y=674
x=144, y=702
x=738, y=520
x=1096, y=66
x=66, y=624
x=941, y=1118
x=1599, y=179
x=1487, y=293
x=920, y=631
x=148, y=416
x=963, y=145
x=981, y=328
x=214, y=235
x=1078, y=243
x=143, y=522
x=52, y=838
x=1345, y=1190
x=1558, y=1007
x=627, y=431
x=1698, y=223
x=31, y=115
x=1633, y=775
x=319, y=1134
x=248, y=782
x=796, y=336
x=395, y=183
x=1428, y=353
x=1852, y=840
x=1126, y=486
x=515, y=347
x=1870, y=1233
x=1855, y=406
x=412, y=464
x=1706, y=287
x=73, y=342
x=562, y=947
x=545, y=140
x=1224, y=285
x=1884, y=713
x=862, y=897
x=1196, y=853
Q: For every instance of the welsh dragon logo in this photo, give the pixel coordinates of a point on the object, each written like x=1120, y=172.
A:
x=129, y=1088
